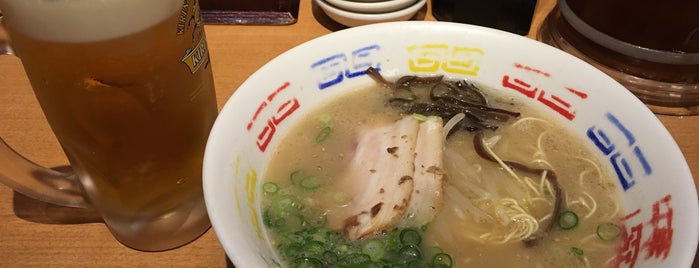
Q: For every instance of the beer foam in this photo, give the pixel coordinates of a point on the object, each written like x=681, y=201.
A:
x=78, y=21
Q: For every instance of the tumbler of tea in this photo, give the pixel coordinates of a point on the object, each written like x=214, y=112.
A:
x=650, y=47
x=127, y=88
x=508, y=15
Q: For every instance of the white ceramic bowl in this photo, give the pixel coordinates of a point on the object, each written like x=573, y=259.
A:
x=371, y=7
x=353, y=19
x=591, y=103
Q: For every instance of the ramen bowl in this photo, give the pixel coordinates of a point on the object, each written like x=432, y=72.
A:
x=659, y=215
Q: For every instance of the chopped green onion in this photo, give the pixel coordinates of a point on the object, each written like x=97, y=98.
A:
x=355, y=260
x=442, y=260
x=304, y=240
x=296, y=177
x=608, y=231
x=374, y=265
x=410, y=237
x=420, y=117
x=577, y=251
x=317, y=221
x=293, y=250
x=311, y=182
x=297, y=221
x=414, y=264
x=314, y=248
x=285, y=203
x=341, y=197
x=374, y=248
x=280, y=212
x=393, y=240
x=307, y=262
x=329, y=257
x=325, y=119
x=270, y=188
x=410, y=252
x=343, y=248
x=323, y=134
x=567, y=220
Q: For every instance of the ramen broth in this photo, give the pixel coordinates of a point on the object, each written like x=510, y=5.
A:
x=467, y=227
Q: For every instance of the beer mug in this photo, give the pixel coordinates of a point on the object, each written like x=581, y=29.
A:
x=127, y=88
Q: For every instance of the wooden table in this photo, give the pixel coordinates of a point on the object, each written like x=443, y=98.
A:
x=26, y=239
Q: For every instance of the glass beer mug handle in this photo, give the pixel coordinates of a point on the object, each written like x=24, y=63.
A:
x=30, y=179
x=44, y=184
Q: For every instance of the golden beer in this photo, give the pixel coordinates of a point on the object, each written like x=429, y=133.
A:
x=128, y=90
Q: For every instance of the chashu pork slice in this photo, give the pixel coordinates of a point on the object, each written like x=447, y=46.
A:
x=426, y=199
x=379, y=179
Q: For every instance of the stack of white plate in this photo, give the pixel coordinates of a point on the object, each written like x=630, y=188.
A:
x=361, y=12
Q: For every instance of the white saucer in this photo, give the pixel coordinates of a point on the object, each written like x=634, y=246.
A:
x=353, y=19
x=371, y=7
